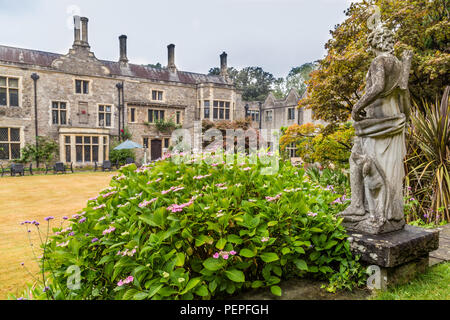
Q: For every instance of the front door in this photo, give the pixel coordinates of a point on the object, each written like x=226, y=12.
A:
x=156, y=149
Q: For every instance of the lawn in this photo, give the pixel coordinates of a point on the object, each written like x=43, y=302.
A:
x=434, y=284
x=34, y=198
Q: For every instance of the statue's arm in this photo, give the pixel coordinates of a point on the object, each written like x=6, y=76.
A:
x=377, y=80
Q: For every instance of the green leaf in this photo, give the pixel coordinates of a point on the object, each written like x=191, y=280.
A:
x=247, y=253
x=140, y=296
x=314, y=229
x=180, y=259
x=221, y=244
x=269, y=257
x=154, y=290
x=234, y=239
x=129, y=294
x=213, y=264
x=272, y=223
x=285, y=251
x=276, y=290
x=301, y=264
x=257, y=284
x=191, y=284
x=235, y=275
x=202, y=291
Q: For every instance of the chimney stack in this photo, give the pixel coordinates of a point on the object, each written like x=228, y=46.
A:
x=171, y=64
x=84, y=31
x=123, y=49
x=223, y=65
x=77, y=30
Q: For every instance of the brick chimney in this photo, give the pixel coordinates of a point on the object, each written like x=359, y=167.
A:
x=171, y=55
x=123, y=49
x=223, y=65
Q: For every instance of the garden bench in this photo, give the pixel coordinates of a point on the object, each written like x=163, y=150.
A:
x=106, y=165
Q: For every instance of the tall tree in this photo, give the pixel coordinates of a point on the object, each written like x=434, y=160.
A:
x=421, y=26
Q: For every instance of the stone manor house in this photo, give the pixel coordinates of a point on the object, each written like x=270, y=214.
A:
x=78, y=100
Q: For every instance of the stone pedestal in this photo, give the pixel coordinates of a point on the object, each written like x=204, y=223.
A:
x=395, y=257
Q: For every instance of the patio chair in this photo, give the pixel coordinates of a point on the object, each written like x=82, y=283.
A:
x=17, y=168
x=129, y=161
x=106, y=165
x=58, y=167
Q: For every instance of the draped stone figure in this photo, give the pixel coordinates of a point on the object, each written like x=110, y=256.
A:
x=376, y=163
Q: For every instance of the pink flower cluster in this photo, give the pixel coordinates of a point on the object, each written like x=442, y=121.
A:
x=127, y=253
x=312, y=214
x=340, y=200
x=106, y=195
x=100, y=207
x=156, y=181
x=265, y=239
x=63, y=231
x=247, y=169
x=201, y=177
x=273, y=199
x=145, y=203
x=172, y=189
x=109, y=230
x=125, y=281
x=224, y=254
x=179, y=207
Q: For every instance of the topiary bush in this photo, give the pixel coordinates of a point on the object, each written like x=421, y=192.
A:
x=199, y=231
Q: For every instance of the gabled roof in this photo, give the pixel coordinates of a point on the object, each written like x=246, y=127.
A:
x=45, y=59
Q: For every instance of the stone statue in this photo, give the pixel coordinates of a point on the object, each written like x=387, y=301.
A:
x=376, y=163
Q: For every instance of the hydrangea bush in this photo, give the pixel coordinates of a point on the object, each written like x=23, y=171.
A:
x=199, y=231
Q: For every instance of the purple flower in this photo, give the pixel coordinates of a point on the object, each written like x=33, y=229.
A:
x=94, y=240
x=49, y=218
x=216, y=255
x=46, y=289
x=86, y=235
x=65, y=218
x=82, y=220
x=71, y=234
x=22, y=264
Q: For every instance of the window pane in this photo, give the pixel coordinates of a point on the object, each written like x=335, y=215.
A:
x=145, y=142
x=77, y=86
x=108, y=119
x=160, y=95
x=215, y=113
x=13, y=97
x=14, y=135
x=55, y=105
x=4, y=136
x=63, y=117
x=222, y=104
x=216, y=103
x=162, y=115
x=2, y=97
x=13, y=83
x=156, y=115
x=85, y=87
x=221, y=114
x=68, y=155
x=79, y=152
x=154, y=95
x=227, y=105
x=150, y=116
x=62, y=105
x=94, y=140
x=101, y=108
x=79, y=140
x=108, y=108
x=87, y=140
x=166, y=143
x=2, y=82
x=4, y=151
x=206, y=103
x=67, y=139
x=227, y=114
x=101, y=119
x=55, y=117
x=94, y=153
x=87, y=153
x=133, y=111
x=178, y=117
x=207, y=113
x=15, y=150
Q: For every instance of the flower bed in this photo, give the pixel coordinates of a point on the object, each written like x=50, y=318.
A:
x=200, y=231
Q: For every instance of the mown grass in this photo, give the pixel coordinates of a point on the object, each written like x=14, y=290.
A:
x=434, y=284
x=34, y=198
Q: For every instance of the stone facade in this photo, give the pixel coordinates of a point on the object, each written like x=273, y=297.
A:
x=80, y=91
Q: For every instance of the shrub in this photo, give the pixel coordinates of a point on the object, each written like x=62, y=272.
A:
x=198, y=231
x=120, y=156
x=46, y=152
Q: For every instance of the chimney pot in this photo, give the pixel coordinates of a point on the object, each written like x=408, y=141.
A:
x=77, y=31
x=223, y=64
x=123, y=49
x=171, y=58
x=84, y=30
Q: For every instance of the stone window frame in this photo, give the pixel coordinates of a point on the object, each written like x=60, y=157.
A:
x=163, y=93
x=254, y=114
x=9, y=142
x=204, y=109
x=129, y=114
x=289, y=109
x=19, y=88
x=89, y=81
x=111, y=112
x=59, y=118
x=178, y=117
x=153, y=118
x=268, y=116
x=91, y=144
x=219, y=108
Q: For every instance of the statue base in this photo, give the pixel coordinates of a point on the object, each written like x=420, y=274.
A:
x=400, y=255
x=373, y=228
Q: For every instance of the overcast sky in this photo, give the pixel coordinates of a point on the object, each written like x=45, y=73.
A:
x=274, y=34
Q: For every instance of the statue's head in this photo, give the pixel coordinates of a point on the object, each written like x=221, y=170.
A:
x=381, y=39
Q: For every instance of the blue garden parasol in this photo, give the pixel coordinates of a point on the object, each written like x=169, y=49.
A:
x=128, y=145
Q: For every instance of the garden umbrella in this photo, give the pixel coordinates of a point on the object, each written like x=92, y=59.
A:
x=128, y=145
